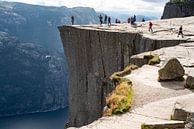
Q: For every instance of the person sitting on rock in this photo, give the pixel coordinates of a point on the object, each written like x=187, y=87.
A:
x=181, y=31
x=150, y=27
x=143, y=20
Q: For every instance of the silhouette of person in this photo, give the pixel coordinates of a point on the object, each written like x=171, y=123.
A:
x=143, y=20
x=105, y=19
x=109, y=21
x=100, y=18
x=72, y=20
x=181, y=31
x=134, y=18
x=150, y=27
x=129, y=20
x=116, y=20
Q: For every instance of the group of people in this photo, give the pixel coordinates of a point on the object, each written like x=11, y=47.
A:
x=130, y=20
x=106, y=18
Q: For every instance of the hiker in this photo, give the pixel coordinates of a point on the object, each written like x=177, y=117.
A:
x=134, y=18
x=181, y=31
x=129, y=20
x=116, y=20
x=143, y=20
x=109, y=21
x=100, y=18
x=105, y=19
x=150, y=27
x=72, y=20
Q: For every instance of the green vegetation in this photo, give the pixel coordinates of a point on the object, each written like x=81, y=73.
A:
x=152, y=59
x=120, y=100
x=143, y=126
x=117, y=77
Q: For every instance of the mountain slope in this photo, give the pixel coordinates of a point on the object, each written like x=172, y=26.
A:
x=31, y=79
x=38, y=24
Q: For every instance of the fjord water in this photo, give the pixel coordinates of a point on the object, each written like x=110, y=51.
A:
x=47, y=120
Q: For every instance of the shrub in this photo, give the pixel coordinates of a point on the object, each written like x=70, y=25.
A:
x=120, y=99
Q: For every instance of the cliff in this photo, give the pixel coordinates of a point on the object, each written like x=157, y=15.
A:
x=178, y=9
x=95, y=52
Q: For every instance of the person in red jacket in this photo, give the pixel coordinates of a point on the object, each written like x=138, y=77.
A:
x=150, y=27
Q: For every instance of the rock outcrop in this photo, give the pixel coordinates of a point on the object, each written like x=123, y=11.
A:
x=93, y=54
x=190, y=121
x=178, y=9
x=189, y=82
x=171, y=70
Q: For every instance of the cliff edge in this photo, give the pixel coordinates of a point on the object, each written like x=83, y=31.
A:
x=94, y=52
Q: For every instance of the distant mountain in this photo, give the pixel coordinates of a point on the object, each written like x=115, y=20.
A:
x=31, y=79
x=38, y=24
x=123, y=16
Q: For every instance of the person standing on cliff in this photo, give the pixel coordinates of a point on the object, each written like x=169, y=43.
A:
x=105, y=19
x=72, y=20
x=181, y=31
x=150, y=27
x=109, y=21
x=129, y=20
x=100, y=18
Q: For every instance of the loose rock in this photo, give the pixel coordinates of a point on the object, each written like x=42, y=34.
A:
x=189, y=82
x=190, y=121
x=171, y=70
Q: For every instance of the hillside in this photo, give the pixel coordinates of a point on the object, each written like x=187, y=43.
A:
x=38, y=24
x=32, y=79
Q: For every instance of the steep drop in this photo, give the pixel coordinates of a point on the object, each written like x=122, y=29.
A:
x=93, y=54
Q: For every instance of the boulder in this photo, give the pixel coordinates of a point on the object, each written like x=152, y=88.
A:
x=179, y=113
x=189, y=82
x=190, y=121
x=171, y=70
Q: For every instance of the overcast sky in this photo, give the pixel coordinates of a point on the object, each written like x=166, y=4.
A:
x=134, y=6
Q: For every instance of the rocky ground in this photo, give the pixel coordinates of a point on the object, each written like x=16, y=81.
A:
x=162, y=29
x=154, y=101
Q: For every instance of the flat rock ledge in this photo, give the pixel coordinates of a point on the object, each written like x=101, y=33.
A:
x=154, y=101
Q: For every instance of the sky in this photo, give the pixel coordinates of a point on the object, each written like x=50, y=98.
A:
x=150, y=7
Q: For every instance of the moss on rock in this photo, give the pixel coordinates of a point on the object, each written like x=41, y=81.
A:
x=152, y=59
x=117, y=77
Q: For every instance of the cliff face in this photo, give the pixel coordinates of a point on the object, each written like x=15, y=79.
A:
x=177, y=10
x=93, y=55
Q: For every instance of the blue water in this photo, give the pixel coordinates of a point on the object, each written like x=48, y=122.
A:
x=48, y=120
